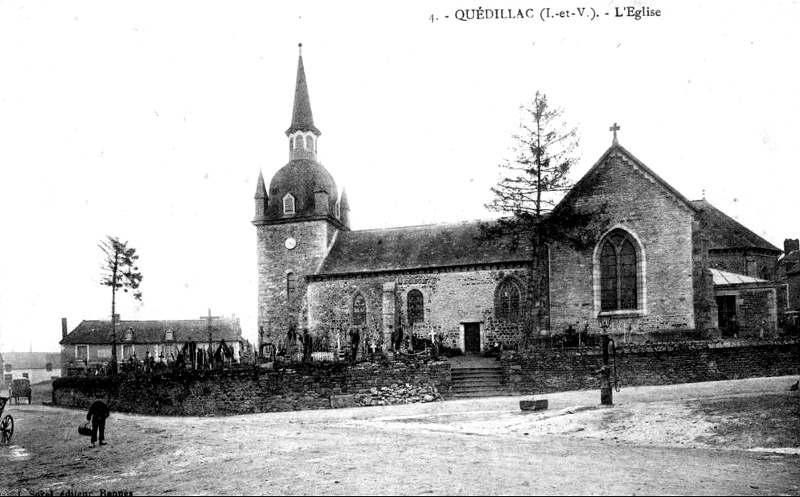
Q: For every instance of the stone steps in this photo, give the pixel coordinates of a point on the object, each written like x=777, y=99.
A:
x=478, y=382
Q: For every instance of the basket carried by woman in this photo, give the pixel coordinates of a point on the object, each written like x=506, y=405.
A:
x=85, y=430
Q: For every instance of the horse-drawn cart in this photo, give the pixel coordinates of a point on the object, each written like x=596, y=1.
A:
x=6, y=424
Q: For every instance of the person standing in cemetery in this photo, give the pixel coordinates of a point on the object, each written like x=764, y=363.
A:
x=355, y=339
x=306, y=346
x=98, y=413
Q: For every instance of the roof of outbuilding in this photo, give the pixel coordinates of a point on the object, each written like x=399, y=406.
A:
x=32, y=360
x=426, y=246
x=99, y=332
x=728, y=278
x=725, y=232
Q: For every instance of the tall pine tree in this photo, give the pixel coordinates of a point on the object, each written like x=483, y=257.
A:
x=119, y=271
x=531, y=184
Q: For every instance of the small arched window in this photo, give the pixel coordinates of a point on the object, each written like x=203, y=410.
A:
x=508, y=300
x=129, y=335
x=416, y=307
x=291, y=285
x=299, y=142
x=618, y=272
x=288, y=204
x=169, y=335
x=338, y=209
x=310, y=143
x=359, y=310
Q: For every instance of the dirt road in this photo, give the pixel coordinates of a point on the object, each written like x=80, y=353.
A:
x=684, y=439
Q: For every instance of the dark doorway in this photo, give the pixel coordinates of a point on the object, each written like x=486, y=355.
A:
x=726, y=307
x=472, y=338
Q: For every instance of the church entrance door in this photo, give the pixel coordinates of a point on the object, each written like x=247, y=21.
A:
x=472, y=338
x=726, y=306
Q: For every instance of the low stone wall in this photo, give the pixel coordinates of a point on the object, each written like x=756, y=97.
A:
x=556, y=370
x=252, y=390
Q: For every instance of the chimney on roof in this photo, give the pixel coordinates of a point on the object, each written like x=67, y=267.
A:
x=790, y=244
x=63, y=328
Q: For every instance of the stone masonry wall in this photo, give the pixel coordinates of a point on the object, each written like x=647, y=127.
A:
x=740, y=262
x=451, y=298
x=755, y=310
x=277, y=310
x=557, y=370
x=663, y=227
x=227, y=392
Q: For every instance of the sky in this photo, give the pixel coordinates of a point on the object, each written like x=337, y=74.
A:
x=151, y=120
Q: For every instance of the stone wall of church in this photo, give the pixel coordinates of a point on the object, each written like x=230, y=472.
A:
x=756, y=310
x=451, y=298
x=277, y=310
x=705, y=305
x=663, y=227
x=737, y=261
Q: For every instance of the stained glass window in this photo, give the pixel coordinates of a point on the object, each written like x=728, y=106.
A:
x=416, y=307
x=359, y=310
x=618, y=273
x=508, y=300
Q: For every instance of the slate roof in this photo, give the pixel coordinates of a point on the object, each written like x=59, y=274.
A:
x=728, y=278
x=302, y=178
x=32, y=360
x=725, y=232
x=99, y=332
x=302, y=119
x=417, y=247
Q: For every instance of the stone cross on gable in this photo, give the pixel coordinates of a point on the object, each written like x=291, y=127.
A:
x=614, y=128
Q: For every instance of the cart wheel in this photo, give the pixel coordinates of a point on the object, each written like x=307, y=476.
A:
x=6, y=429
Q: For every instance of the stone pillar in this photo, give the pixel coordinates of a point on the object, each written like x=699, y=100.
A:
x=388, y=313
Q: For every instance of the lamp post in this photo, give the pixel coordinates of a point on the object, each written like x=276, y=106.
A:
x=605, y=371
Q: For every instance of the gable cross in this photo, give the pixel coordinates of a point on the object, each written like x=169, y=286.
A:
x=614, y=128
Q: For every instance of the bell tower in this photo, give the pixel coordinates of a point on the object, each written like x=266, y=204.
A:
x=296, y=219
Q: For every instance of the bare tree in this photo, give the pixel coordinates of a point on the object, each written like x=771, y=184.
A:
x=119, y=272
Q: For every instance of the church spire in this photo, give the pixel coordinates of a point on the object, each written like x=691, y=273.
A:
x=302, y=119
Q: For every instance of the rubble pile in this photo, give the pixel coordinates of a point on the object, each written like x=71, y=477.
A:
x=399, y=393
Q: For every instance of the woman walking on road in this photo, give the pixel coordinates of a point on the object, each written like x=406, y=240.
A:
x=97, y=414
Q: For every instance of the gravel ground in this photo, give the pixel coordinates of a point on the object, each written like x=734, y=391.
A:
x=735, y=437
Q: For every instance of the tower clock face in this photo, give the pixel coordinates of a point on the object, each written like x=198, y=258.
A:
x=290, y=243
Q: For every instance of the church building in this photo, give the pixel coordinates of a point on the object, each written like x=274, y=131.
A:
x=661, y=267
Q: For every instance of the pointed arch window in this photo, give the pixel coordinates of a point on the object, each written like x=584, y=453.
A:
x=416, y=307
x=359, y=310
x=288, y=204
x=618, y=272
x=299, y=142
x=310, y=143
x=508, y=300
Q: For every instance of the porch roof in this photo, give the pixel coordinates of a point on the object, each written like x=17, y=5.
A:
x=727, y=278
